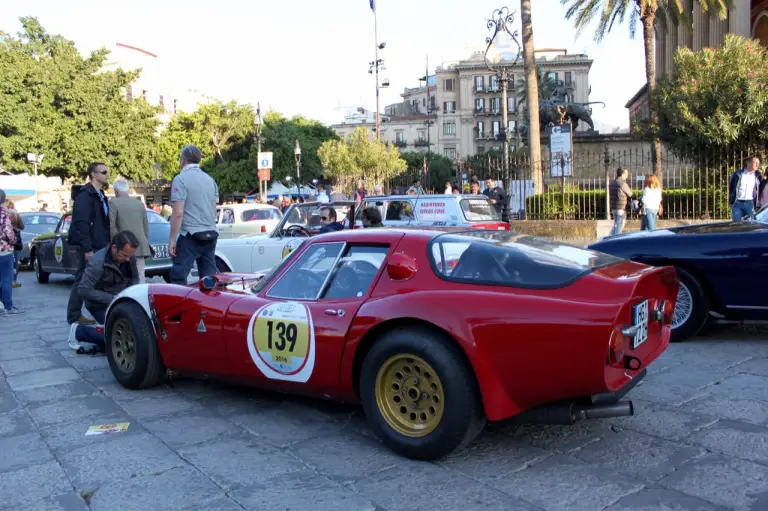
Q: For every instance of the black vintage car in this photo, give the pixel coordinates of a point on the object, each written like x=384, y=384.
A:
x=51, y=253
x=35, y=224
x=722, y=267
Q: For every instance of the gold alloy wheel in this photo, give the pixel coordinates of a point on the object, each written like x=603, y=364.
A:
x=124, y=345
x=409, y=395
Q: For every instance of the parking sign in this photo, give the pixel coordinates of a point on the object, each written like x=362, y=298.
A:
x=265, y=161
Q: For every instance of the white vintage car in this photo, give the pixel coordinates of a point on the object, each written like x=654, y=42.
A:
x=262, y=253
x=236, y=220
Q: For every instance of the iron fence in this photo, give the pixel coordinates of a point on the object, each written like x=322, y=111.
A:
x=693, y=187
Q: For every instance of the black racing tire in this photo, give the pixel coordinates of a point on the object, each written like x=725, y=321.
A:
x=222, y=266
x=42, y=275
x=147, y=369
x=463, y=416
x=699, y=308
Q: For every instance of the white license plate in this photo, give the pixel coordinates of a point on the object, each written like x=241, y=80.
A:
x=640, y=320
x=161, y=251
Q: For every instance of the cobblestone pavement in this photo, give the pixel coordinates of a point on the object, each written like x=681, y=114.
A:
x=698, y=441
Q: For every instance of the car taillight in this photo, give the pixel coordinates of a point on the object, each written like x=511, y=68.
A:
x=263, y=228
x=616, y=347
x=668, y=310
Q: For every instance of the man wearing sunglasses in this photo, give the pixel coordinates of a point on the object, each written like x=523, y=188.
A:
x=328, y=220
x=89, y=232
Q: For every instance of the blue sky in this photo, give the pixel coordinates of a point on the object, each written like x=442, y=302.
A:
x=311, y=56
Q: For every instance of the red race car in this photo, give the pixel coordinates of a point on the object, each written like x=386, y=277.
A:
x=433, y=332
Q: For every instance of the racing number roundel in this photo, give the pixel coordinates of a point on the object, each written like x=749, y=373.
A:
x=281, y=341
x=58, y=250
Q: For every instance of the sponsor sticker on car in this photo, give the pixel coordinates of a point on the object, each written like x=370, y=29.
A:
x=281, y=341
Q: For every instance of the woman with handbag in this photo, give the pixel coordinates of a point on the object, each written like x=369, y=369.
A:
x=18, y=225
x=651, y=200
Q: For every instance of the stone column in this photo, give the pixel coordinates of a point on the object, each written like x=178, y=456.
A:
x=684, y=32
x=717, y=30
x=700, y=28
x=661, y=45
x=739, y=18
x=670, y=48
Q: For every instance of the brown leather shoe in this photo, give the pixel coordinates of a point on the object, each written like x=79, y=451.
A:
x=16, y=284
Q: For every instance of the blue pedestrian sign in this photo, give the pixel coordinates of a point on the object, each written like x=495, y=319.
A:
x=265, y=161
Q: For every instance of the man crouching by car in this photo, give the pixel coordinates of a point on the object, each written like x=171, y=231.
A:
x=109, y=271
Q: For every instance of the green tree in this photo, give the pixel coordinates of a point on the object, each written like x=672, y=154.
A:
x=57, y=102
x=648, y=12
x=440, y=168
x=360, y=156
x=716, y=100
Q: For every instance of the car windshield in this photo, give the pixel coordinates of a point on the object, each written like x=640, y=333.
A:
x=503, y=258
x=308, y=216
x=39, y=224
x=478, y=210
x=252, y=215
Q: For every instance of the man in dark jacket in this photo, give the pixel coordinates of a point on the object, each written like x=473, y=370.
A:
x=328, y=221
x=89, y=233
x=621, y=194
x=109, y=271
x=743, y=188
x=495, y=194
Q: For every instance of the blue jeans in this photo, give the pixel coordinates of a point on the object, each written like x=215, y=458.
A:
x=741, y=209
x=619, y=217
x=190, y=251
x=6, y=281
x=16, y=257
x=648, y=222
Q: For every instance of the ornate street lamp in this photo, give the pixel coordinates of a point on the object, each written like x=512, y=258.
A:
x=503, y=46
x=259, y=123
x=297, y=156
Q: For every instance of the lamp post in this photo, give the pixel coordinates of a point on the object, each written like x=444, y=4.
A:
x=374, y=67
x=35, y=160
x=499, y=49
x=297, y=156
x=259, y=122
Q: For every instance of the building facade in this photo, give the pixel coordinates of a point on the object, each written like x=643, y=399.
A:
x=458, y=112
x=746, y=18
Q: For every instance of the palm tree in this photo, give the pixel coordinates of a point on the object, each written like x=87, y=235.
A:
x=546, y=82
x=648, y=12
x=531, y=84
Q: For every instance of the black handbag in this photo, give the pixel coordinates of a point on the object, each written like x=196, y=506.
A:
x=18, y=244
x=204, y=236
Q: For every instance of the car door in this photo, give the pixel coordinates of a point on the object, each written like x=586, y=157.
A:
x=55, y=256
x=225, y=221
x=748, y=281
x=296, y=336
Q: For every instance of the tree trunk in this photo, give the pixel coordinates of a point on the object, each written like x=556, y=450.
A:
x=649, y=20
x=532, y=93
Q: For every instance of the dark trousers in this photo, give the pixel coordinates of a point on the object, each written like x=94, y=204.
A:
x=75, y=303
x=190, y=251
x=99, y=313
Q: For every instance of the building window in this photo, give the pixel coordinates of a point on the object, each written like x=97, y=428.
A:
x=496, y=105
x=449, y=128
x=144, y=93
x=496, y=126
x=129, y=93
x=422, y=136
x=449, y=85
x=511, y=104
x=399, y=137
x=568, y=78
x=480, y=129
x=449, y=107
x=162, y=100
x=479, y=83
x=450, y=152
x=479, y=104
x=175, y=105
x=480, y=149
x=511, y=125
x=494, y=82
x=432, y=104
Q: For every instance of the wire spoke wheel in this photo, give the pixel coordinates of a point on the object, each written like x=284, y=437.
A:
x=124, y=346
x=409, y=395
x=683, y=306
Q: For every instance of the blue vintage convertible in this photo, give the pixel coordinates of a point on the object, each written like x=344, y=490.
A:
x=722, y=267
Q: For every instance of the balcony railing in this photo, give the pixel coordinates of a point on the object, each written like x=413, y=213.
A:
x=421, y=143
x=400, y=143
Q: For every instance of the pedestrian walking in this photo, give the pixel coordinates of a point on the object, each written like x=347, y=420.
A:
x=321, y=195
x=651, y=200
x=743, y=189
x=7, y=240
x=88, y=233
x=128, y=214
x=336, y=196
x=108, y=272
x=360, y=193
x=18, y=225
x=193, y=222
x=620, y=195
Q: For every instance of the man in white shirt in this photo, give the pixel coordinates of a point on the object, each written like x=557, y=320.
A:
x=321, y=195
x=743, y=189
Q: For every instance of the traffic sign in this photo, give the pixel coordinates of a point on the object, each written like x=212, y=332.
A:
x=265, y=161
x=264, y=175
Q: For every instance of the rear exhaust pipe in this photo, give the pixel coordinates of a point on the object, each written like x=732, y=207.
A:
x=569, y=413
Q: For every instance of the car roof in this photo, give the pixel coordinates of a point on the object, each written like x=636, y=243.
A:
x=372, y=235
x=46, y=213
x=253, y=205
x=425, y=196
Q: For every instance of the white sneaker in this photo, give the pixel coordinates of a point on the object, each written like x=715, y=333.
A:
x=73, y=344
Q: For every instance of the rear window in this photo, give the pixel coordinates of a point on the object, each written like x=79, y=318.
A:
x=509, y=259
x=252, y=215
x=39, y=224
x=154, y=218
x=479, y=210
